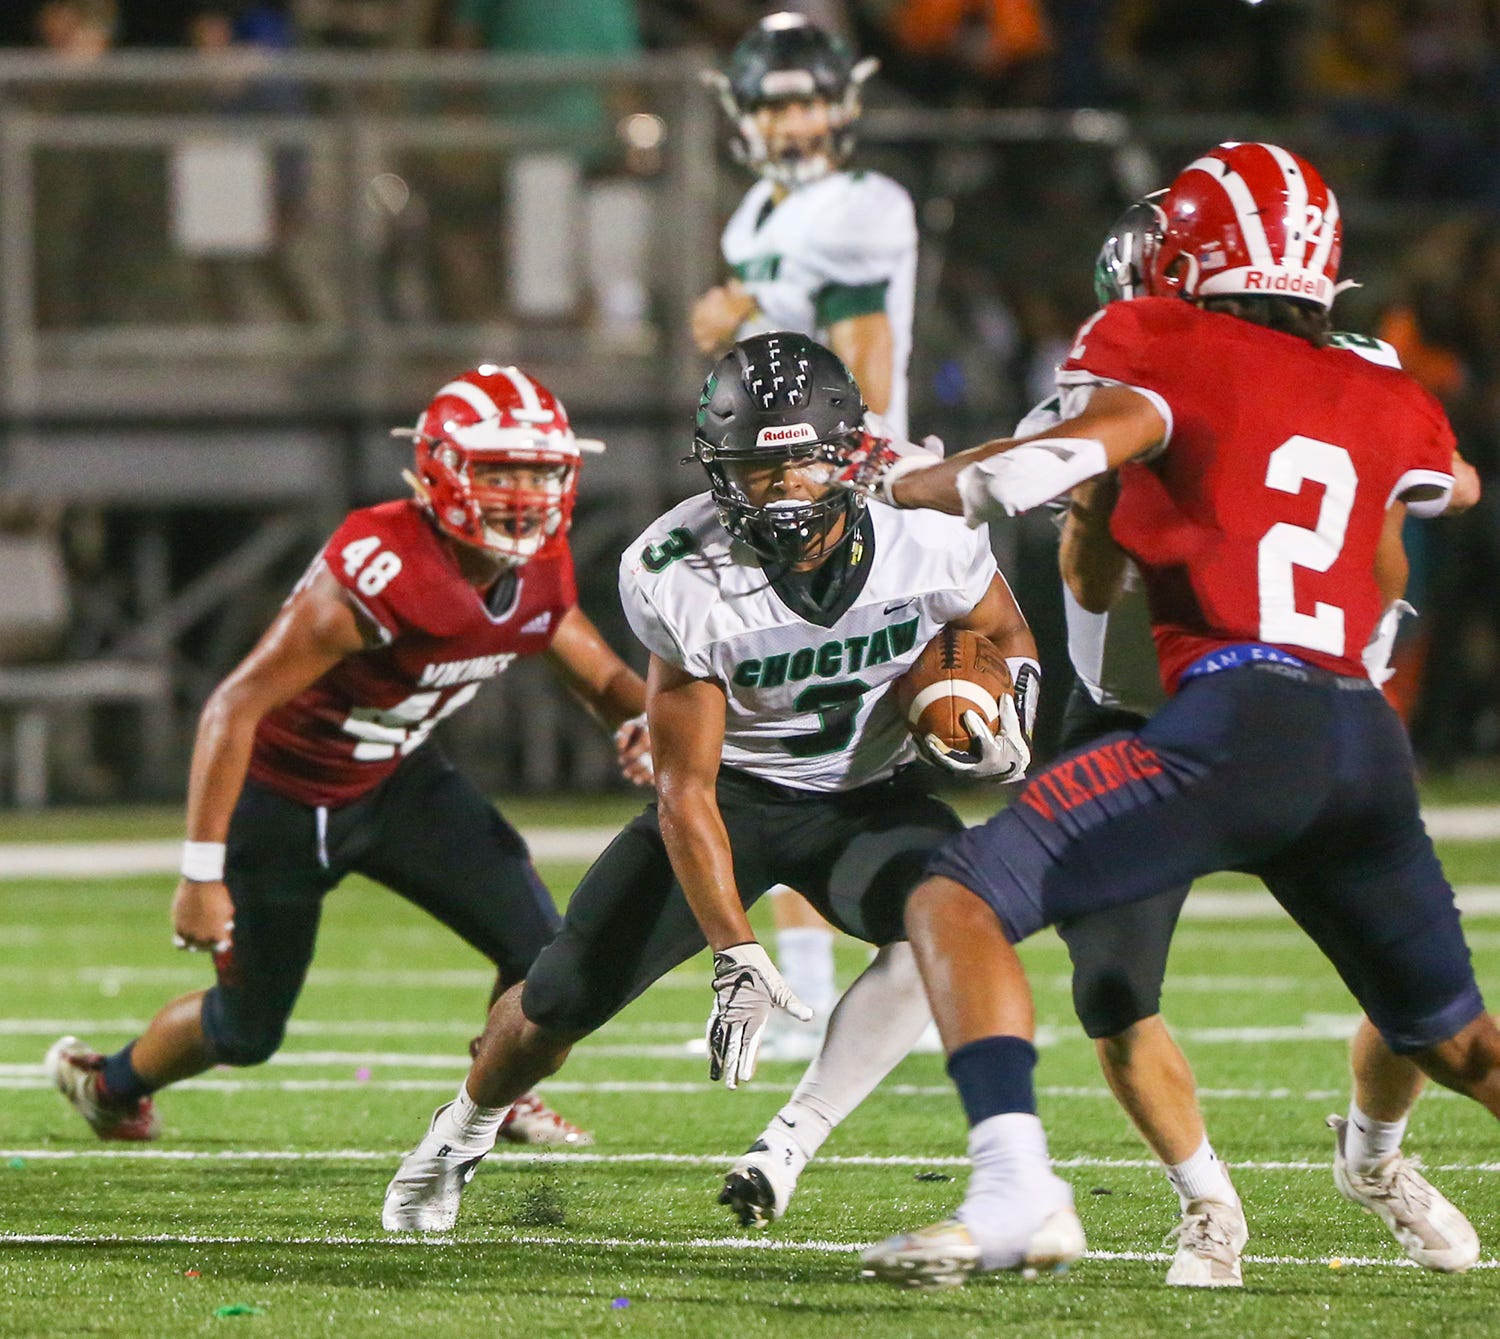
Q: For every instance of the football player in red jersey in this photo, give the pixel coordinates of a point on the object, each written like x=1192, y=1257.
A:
x=1256, y=468
x=312, y=760
x=1119, y=954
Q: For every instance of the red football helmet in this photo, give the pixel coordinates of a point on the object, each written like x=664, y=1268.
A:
x=1249, y=219
x=498, y=416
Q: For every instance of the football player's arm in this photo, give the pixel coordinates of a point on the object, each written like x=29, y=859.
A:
x=315, y=629
x=613, y=693
x=686, y=716
x=1092, y=564
x=1391, y=565
x=1465, y=486
x=718, y=314
x=867, y=348
x=1012, y=475
x=998, y=617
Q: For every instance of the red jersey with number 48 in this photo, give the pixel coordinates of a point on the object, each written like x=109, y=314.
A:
x=348, y=731
x=1259, y=519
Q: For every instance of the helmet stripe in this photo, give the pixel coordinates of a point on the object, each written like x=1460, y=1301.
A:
x=1243, y=202
x=476, y=397
x=1296, y=205
x=532, y=409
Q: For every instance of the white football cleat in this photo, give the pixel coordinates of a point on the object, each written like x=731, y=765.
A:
x=424, y=1194
x=944, y=1254
x=940, y=1255
x=1429, y=1226
x=758, y=1188
x=531, y=1121
x=1210, y=1239
x=74, y=1068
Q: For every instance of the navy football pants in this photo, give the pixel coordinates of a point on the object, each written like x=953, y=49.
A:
x=1299, y=777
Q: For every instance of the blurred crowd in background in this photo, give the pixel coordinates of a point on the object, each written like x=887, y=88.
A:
x=1400, y=100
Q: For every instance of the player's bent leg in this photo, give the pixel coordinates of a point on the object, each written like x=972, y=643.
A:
x=873, y=1027
x=1119, y=958
x=1386, y=1085
x=1370, y=1170
x=1385, y=1182
x=1016, y=1214
x=1151, y=1079
x=514, y=1054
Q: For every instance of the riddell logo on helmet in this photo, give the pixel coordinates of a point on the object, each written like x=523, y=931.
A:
x=1297, y=283
x=793, y=432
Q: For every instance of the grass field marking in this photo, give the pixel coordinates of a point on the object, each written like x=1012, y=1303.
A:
x=34, y=1080
x=95, y=859
x=744, y=1243
x=556, y=1157
x=1333, y=1027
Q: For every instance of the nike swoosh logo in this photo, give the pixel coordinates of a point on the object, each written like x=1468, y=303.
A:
x=900, y=604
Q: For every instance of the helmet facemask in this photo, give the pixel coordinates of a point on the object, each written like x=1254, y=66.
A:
x=512, y=521
x=786, y=531
x=786, y=59
x=794, y=165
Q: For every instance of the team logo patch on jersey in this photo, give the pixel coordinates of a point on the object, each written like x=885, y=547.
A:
x=788, y=435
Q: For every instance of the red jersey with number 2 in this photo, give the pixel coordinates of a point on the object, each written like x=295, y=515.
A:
x=1259, y=519
x=440, y=640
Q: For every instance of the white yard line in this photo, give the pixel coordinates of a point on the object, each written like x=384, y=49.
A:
x=742, y=1243
x=92, y=860
x=1313, y=1028
x=555, y=1157
x=30, y=1078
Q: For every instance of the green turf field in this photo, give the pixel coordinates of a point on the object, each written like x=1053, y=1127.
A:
x=265, y=1191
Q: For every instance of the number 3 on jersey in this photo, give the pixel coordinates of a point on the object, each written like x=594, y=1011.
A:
x=377, y=568
x=1297, y=461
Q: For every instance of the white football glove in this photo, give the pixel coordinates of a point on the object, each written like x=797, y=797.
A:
x=747, y=987
x=881, y=458
x=992, y=757
x=1026, y=680
x=1377, y=653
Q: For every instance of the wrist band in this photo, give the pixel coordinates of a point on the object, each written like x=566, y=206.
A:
x=203, y=862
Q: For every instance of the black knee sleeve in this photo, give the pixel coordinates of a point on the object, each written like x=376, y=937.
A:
x=237, y=1040
x=1119, y=958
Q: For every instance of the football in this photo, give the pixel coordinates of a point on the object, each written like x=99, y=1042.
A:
x=958, y=671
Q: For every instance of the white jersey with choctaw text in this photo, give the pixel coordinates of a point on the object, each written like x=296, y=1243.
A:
x=842, y=246
x=808, y=705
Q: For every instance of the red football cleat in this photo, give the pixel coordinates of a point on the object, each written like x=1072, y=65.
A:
x=74, y=1069
x=532, y=1121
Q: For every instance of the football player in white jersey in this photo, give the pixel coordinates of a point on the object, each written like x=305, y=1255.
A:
x=829, y=251
x=778, y=612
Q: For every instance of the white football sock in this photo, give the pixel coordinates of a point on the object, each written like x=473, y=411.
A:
x=805, y=956
x=872, y=1028
x=1012, y=1189
x=468, y=1124
x=1367, y=1141
x=1203, y=1176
